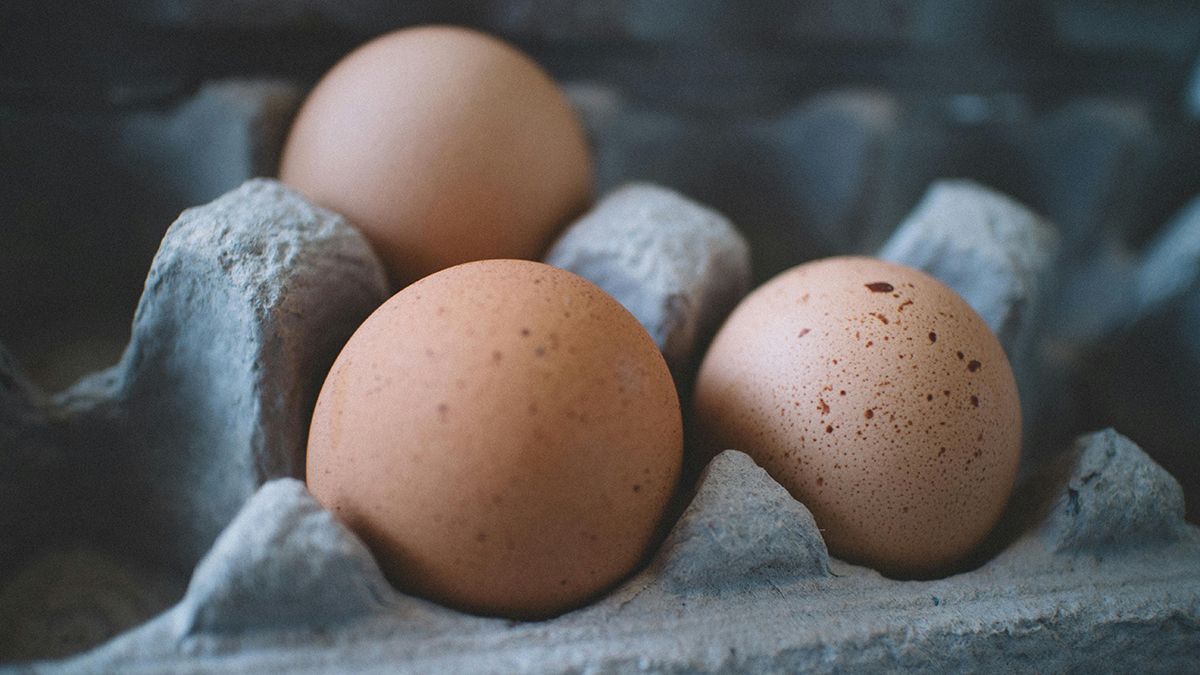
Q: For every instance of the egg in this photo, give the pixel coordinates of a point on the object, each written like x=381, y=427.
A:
x=442, y=145
x=503, y=435
x=879, y=399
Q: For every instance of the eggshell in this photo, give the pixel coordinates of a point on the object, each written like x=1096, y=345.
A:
x=504, y=436
x=879, y=399
x=442, y=145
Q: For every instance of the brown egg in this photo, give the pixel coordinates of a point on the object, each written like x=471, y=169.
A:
x=504, y=436
x=879, y=399
x=443, y=145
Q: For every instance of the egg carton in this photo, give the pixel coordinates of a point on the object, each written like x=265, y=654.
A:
x=151, y=515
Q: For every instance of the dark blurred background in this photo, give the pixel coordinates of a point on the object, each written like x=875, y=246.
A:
x=815, y=125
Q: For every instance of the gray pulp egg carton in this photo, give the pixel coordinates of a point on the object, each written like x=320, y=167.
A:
x=151, y=513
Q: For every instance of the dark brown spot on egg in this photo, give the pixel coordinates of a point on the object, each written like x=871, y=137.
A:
x=904, y=304
x=803, y=332
x=524, y=332
x=829, y=428
x=637, y=487
x=869, y=413
x=881, y=287
x=822, y=406
x=973, y=366
x=961, y=356
x=932, y=337
x=975, y=401
x=881, y=317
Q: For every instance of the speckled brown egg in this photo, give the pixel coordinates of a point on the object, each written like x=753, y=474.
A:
x=442, y=145
x=879, y=399
x=503, y=435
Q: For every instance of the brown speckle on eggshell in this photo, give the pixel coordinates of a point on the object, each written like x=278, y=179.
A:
x=895, y=476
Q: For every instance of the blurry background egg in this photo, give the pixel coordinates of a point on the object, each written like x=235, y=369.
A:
x=503, y=435
x=443, y=145
x=879, y=399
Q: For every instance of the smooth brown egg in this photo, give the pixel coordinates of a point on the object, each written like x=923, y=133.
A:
x=442, y=145
x=879, y=399
x=504, y=436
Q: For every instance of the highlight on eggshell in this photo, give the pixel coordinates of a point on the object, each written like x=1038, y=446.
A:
x=503, y=435
x=879, y=399
x=441, y=145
